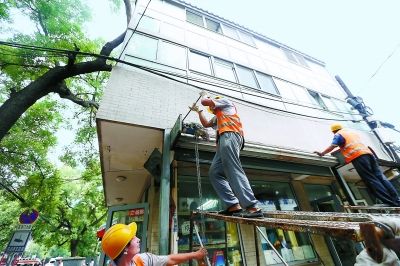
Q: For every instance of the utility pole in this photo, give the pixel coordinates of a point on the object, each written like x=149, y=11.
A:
x=366, y=112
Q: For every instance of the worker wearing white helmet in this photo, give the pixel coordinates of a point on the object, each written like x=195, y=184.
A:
x=364, y=162
x=226, y=172
x=121, y=245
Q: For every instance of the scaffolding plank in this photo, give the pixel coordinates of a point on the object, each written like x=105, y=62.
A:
x=373, y=208
x=320, y=216
x=341, y=229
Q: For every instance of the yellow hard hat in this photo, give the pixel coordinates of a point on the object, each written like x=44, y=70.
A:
x=117, y=237
x=336, y=127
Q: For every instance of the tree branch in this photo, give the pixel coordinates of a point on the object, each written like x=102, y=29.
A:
x=66, y=93
x=5, y=64
x=128, y=11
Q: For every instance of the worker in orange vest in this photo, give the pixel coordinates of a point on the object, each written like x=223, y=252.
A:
x=364, y=162
x=226, y=173
x=121, y=245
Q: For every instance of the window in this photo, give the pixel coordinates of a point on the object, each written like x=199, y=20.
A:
x=222, y=239
x=200, y=63
x=194, y=18
x=317, y=100
x=149, y=24
x=172, y=55
x=295, y=58
x=224, y=70
x=231, y=32
x=329, y=103
x=246, y=77
x=213, y=25
x=143, y=47
x=266, y=83
x=294, y=247
x=246, y=38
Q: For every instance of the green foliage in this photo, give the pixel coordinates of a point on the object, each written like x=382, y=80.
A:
x=10, y=212
x=70, y=204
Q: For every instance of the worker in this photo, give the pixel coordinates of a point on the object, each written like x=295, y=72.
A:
x=392, y=224
x=121, y=245
x=226, y=173
x=364, y=162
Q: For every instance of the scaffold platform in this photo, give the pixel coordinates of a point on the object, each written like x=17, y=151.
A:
x=334, y=224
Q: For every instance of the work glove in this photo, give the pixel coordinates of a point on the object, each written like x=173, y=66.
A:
x=203, y=94
x=195, y=108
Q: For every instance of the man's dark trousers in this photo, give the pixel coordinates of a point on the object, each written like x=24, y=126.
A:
x=369, y=171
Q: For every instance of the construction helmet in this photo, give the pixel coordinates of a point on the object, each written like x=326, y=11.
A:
x=117, y=237
x=336, y=127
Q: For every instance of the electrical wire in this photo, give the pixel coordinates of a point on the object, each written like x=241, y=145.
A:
x=381, y=65
x=167, y=74
x=127, y=42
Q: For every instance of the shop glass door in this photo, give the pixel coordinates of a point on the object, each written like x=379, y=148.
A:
x=323, y=200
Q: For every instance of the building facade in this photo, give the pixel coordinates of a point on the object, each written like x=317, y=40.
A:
x=286, y=100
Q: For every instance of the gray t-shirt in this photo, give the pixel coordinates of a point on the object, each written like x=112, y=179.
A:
x=153, y=260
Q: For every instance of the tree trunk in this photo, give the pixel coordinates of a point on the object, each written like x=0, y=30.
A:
x=74, y=247
x=20, y=101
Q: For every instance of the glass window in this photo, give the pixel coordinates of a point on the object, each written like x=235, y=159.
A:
x=289, y=56
x=194, y=18
x=220, y=239
x=246, y=38
x=231, y=32
x=172, y=55
x=301, y=60
x=246, y=77
x=266, y=83
x=149, y=24
x=317, y=100
x=200, y=63
x=224, y=70
x=213, y=25
x=143, y=47
x=294, y=247
x=329, y=103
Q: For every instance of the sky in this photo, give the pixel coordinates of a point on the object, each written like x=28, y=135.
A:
x=358, y=40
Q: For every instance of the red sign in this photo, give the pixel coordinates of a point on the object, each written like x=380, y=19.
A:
x=136, y=212
x=28, y=216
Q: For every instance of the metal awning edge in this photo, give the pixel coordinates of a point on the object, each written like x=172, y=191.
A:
x=261, y=151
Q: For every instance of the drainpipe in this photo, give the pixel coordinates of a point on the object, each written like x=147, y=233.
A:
x=356, y=102
x=165, y=187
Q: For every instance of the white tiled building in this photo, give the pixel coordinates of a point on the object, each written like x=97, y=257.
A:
x=287, y=101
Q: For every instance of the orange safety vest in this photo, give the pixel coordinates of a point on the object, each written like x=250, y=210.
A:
x=228, y=123
x=353, y=147
x=138, y=260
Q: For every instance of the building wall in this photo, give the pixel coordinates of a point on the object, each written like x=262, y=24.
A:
x=140, y=98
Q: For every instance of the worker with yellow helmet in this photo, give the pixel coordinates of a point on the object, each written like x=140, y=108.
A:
x=226, y=172
x=121, y=245
x=366, y=165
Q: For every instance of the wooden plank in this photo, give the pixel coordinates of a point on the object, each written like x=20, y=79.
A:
x=342, y=229
x=319, y=216
x=373, y=208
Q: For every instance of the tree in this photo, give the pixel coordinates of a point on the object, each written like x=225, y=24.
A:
x=27, y=77
x=30, y=116
x=74, y=213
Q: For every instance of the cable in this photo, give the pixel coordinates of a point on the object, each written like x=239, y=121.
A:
x=381, y=65
x=134, y=29
x=165, y=75
x=214, y=83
